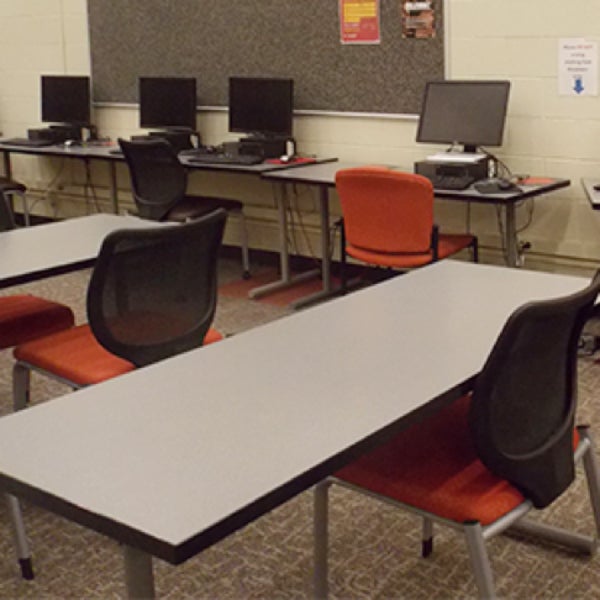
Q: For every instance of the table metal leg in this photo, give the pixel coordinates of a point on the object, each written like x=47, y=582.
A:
x=327, y=288
x=114, y=194
x=511, y=243
x=7, y=165
x=287, y=279
x=139, y=578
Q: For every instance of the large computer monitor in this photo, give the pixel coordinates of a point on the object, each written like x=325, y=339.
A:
x=66, y=99
x=471, y=113
x=261, y=106
x=168, y=102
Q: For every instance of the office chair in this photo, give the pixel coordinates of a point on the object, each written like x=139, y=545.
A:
x=159, y=183
x=152, y=294
x=482, y=463
x=9, y=187
x=388, y=220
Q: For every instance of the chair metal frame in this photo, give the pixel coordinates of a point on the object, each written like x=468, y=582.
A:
x=475, y=534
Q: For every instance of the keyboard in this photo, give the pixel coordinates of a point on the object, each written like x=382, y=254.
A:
x=496, y=186
x=27, y=143
x=451, y=182
x=222, y=159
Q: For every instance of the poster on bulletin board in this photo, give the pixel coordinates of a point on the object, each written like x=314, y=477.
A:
x=418, y=20
x=359, y=22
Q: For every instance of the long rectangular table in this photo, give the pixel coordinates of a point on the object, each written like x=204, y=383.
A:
x=172, y=458
x=105, y=153
x=323, y=177
x=36, y=252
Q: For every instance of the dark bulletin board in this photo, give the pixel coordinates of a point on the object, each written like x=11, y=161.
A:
x=213, y=39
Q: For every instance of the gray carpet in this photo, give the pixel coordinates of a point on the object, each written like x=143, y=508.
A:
x=374, y=547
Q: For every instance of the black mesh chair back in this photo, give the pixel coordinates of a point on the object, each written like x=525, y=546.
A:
x=153, y=292
x=158, y=179
x=7, y=218
x=522, y=411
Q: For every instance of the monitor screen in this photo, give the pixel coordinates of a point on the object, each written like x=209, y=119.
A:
x=66, y=99
x=168, y=102
x=471, y=113
x=261, y=106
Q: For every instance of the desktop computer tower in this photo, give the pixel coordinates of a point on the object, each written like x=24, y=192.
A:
x=55, y=133
x=265, y=148
x=477, y=170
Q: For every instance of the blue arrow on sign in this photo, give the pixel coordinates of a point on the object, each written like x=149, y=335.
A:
x=578, y=87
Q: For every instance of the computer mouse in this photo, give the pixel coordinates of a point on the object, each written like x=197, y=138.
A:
x=505, y=184
x=71, y=143
x=285, y=158
x=597, y=187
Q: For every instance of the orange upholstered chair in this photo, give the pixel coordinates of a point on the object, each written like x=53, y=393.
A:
x=388, y=220
x=152, y=294
x=481, y=463
x=24, y=317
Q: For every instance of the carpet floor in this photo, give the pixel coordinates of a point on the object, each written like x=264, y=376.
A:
x=374, y=547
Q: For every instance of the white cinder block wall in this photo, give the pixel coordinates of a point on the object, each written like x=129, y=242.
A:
x=546, y=134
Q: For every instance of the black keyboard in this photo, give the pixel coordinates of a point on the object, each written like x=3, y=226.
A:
x=221, y=159
x=27, y=143
x=451, y=182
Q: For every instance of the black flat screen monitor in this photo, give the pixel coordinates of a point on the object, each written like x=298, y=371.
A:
x=261, y=106
x=168, y=102
x=471, y=113
x=66, y=99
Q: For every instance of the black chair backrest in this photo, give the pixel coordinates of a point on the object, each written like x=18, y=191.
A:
x=524, y=400
x=7, y=217
x=153, y=291
x=158, y=179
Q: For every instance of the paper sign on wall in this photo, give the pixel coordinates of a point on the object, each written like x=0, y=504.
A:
x=577, y=67
x=359, y=21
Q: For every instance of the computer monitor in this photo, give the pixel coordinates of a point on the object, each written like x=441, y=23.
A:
x=168, y=102
x=261, y=106
x=471, y=113
x=66, y=99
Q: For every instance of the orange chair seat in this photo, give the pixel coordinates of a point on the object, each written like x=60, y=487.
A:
x=25, y=317
x=433, y=466
x=76, y=355
x=448, y=244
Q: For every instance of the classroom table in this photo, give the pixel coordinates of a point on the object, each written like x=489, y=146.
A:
x=508, y=201
x=81, y=152
x=593, y=195
x=32, y=253
x=88, y=152
x=172, y=458
x=106, y=153
x=323, y=177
